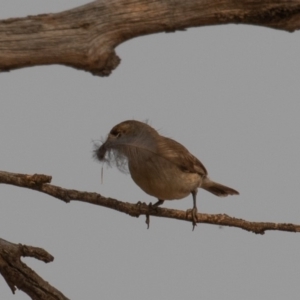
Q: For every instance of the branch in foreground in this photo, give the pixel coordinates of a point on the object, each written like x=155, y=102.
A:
x=18, y=275
x=42, y=184
x=86, y=37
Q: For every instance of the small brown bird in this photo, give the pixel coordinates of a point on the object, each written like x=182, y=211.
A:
x=160, y=166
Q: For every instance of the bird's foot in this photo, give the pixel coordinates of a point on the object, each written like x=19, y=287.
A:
x=147, y=221
x=139, y=204
x=150, y=207
x=193, y=212
x=153, y=207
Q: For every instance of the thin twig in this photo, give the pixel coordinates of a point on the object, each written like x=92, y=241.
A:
x=42, y=184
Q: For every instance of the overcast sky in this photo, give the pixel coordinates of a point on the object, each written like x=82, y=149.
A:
x=230, y=94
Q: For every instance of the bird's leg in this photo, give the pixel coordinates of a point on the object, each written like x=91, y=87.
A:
x=194, y=210
x=156, y=204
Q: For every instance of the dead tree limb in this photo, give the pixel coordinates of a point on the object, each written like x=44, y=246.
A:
x=86, y=37
x=19, y=275
x=42, y=184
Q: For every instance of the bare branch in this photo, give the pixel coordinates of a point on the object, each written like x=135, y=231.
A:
x=42, y=184
x=18, y=275
x=85, y=37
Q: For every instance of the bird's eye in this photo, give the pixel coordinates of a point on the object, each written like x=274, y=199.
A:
x=115, y=133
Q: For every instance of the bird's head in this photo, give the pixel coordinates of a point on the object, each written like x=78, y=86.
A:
x=126, y=134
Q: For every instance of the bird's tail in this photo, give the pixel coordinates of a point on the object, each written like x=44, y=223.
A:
x=217, y=188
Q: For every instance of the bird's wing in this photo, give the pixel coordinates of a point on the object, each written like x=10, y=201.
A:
x=180, y=156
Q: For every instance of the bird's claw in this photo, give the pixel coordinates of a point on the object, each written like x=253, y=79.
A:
x=150, y=206
x=147, y=221
x=193, y=212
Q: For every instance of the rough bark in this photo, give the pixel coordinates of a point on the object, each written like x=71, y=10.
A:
x=18, y=275
x=86, y=37
x=42, y=184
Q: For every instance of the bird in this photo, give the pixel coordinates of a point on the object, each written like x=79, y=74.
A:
x=159, y=165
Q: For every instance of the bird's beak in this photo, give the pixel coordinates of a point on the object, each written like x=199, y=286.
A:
x=100, y=153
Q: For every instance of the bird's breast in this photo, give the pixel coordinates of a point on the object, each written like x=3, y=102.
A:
x=163, y=179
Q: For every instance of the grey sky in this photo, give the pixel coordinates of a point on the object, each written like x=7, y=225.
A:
x=230, y=94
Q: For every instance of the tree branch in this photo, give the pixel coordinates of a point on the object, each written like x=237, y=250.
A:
x=85, y=37
x=17, y=274
x=42, y=184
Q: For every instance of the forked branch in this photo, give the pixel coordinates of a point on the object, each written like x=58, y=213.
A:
x=42, y=184
x=19, y=275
